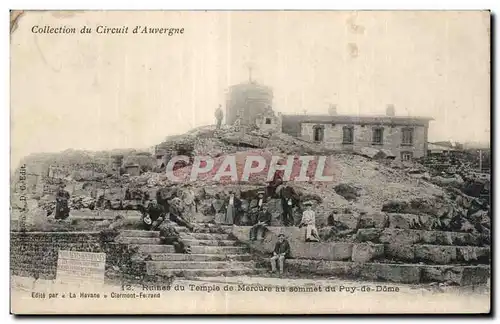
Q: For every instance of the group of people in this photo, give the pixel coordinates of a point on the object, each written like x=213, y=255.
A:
x=282, y=248
x=154, y=216
x=255, y=212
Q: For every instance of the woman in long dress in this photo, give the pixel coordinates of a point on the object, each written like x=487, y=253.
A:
x=309, y=222
x=232, y=205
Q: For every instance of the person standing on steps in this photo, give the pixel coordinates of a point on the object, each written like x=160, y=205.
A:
x=218, y=116
x=289, y=199
x=309, y=222
x=280, y=253
x=232, y=205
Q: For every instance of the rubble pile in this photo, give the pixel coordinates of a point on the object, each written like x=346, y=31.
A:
x=459, y=170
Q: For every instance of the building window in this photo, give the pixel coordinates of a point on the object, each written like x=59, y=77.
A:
x=406, y=156
x=268, y=121
x=318, y=133
x=378, y=136
x=407, y=136
x=348, y=135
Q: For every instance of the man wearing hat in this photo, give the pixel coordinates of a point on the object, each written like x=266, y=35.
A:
x=280, y=253
x=256, y=206
x=263, y=220
x=289, y=199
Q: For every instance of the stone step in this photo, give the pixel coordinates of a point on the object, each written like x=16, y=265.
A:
x=193, y=242
x=154, y=248
x=198, y=257
x=393, y=272
x=410, y=236
x=438, y=254
x=205, y=236
x=139, y=233
x=138, y=240
x=159, y=248
x=206, y=272
x=219, y=249
x=156, y=265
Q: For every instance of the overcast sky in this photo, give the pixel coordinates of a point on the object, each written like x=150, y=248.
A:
x=116, y=91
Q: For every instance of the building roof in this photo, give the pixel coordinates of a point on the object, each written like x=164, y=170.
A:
x=439, y=148
x=355, y=119
x=291, y=123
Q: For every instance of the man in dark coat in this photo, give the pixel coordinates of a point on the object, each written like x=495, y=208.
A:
x=280, y=253
x=289, y=199
x=275, y=182
x=62, y=203
x=255, y=207
x=153, y=215
x=263, y=221
x=231, y=209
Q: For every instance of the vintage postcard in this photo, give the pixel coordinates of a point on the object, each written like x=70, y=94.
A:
x=250, y=162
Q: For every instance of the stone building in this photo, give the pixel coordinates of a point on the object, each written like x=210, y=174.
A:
x=250, y=104
x=246, y=101
x=268, y=120
x=405, y=137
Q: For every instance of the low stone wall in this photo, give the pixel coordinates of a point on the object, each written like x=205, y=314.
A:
x=329, y=251
x=35, y=254
x=398, y=273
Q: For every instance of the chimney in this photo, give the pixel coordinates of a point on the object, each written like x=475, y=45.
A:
x=332, y=110
x=390, y=110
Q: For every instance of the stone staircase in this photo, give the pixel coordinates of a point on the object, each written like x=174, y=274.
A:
x=212, y=254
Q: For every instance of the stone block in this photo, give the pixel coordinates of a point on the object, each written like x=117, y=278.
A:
x=328, y=268
x=377, y=220
x=441, y=273
x=474, y=254
x=368, y=235
x=410, y=221
x=366, y=252
x=436, y=253
x=400, y=236
x=436, y=237
x=350, y=221
x=399, y=252
x=474, y=275
x=401, y=273
x=461, y=275
x=410, y=236
x=469, y=239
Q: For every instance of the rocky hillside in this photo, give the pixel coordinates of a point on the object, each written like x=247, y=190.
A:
x=360, y=184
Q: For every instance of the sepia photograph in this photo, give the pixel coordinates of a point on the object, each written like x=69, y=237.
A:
x=250, y=162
